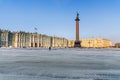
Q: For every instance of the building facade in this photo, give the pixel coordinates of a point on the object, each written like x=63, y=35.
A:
x=71, y=43
x=26, y=40
x=117, y=45
x=92, y=43
x=4, y=38
x=96, y=43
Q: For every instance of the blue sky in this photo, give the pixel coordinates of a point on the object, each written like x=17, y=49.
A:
x=99, y=18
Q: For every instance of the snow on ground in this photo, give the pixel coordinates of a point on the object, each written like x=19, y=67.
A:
x=59, y=64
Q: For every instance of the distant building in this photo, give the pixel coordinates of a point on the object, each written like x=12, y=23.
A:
x=96, y=43
x=92, y=43
x=117, y=45
x=25, y=39
x=4, y=38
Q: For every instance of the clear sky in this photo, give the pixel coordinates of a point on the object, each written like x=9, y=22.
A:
x=99, y=18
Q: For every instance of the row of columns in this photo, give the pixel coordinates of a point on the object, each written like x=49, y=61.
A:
x=37, y=40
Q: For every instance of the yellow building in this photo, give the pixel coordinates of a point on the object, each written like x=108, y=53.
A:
x=96, y=43
x=71, y=43
x=58, y=42
x=92, y=43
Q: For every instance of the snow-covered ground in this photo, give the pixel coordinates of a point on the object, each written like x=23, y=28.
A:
x=59, y=64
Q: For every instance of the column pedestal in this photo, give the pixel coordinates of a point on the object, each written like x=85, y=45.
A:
x=77, y=44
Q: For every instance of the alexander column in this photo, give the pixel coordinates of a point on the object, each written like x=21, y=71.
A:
x=77, y=41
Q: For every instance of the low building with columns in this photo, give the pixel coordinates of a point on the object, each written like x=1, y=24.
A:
x=3, y=38
x=26, y=40
x=46, y=41
x=96, y=43
x=92, y=43
x=59, y=42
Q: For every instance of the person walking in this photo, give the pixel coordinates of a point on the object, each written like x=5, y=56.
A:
x=49, y=48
